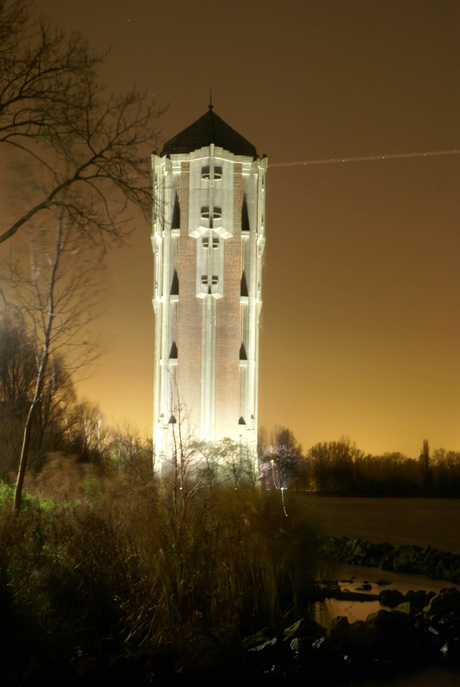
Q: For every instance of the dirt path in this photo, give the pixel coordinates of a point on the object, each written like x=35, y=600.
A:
x=398, y=521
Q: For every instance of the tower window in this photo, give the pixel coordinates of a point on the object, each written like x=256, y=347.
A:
x=176, y=214
x=205, y=212
x=209, y=217
x=173, y=351
x=205, y=242
x=215, y=242
x=204, y=280
x=244, y=285
x=215, y=280
x=206, y=172
x=244, y=216
x=174, y=285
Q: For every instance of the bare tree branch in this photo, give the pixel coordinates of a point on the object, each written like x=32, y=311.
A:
x=88, y=148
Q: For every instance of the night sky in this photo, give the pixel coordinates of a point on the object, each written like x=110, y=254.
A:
x=360, y=329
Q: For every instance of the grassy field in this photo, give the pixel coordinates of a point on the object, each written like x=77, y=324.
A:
x=398, y=521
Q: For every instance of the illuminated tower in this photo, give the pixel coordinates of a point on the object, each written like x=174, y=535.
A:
x=208, y=241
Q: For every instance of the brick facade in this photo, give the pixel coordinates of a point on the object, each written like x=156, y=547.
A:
x=203, y=383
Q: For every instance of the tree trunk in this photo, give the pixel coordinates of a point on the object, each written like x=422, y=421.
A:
x=28, y=431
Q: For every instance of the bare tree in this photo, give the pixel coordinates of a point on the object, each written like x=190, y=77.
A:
x=17, y=374
x=55, y=296
x=17, y=361
x=80, y=155
x=18, y=371
x=333, y=465
x=235, y=463
x=130, y=451
x=281, y=455
x=87, y=432
x=87, y=148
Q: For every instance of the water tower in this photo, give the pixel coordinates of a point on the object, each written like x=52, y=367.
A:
x=208, y=240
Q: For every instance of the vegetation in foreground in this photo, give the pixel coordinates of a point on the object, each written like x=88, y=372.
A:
x=123, y=585
x=126, y=573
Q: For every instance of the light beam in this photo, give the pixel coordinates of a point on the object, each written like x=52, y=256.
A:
x=365, y=158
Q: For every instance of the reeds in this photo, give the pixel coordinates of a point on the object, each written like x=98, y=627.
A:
x=124, y=571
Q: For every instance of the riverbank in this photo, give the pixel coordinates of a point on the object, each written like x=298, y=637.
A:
x=420, y=633
x=92, y=569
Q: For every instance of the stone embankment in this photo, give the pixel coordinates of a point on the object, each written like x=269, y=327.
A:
x=403, y=558
x=419, y=629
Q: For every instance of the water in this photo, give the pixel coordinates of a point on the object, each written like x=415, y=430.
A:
x=351, y=577
x=399, y=521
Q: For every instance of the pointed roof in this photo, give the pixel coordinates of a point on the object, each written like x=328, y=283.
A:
x=209, y=128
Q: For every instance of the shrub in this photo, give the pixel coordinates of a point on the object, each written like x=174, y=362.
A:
x=125, y=569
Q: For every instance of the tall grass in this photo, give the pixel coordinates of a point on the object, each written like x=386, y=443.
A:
x=125, y=571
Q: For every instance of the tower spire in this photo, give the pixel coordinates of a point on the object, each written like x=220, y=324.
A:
x=210, y=99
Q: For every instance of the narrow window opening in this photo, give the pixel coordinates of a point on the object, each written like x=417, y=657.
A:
x=244, y=285
x=174, y=285
x=176, y=214
x=244, y=216
x=173, y=351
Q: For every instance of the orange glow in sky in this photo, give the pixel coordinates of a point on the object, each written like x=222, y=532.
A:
x=360, y=329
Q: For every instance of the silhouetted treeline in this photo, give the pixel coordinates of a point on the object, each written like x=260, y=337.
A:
x=339, y=467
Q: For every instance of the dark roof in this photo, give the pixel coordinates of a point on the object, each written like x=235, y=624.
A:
x=209, y=128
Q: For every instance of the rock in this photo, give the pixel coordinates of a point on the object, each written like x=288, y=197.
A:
x=256, y=639
x=350, y=595
x=447, y=601
x=265, y=647
x=305, y=627
x=302, y=649
x=451, y=652
x=268, y=658
x=391, y=623
x=391, y=598
x=406, y=607
x=403, y=558
x=419, y=599
x=337, y=628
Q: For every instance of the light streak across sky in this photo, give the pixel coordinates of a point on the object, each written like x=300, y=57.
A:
x=359, y=158
x=364, y=158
